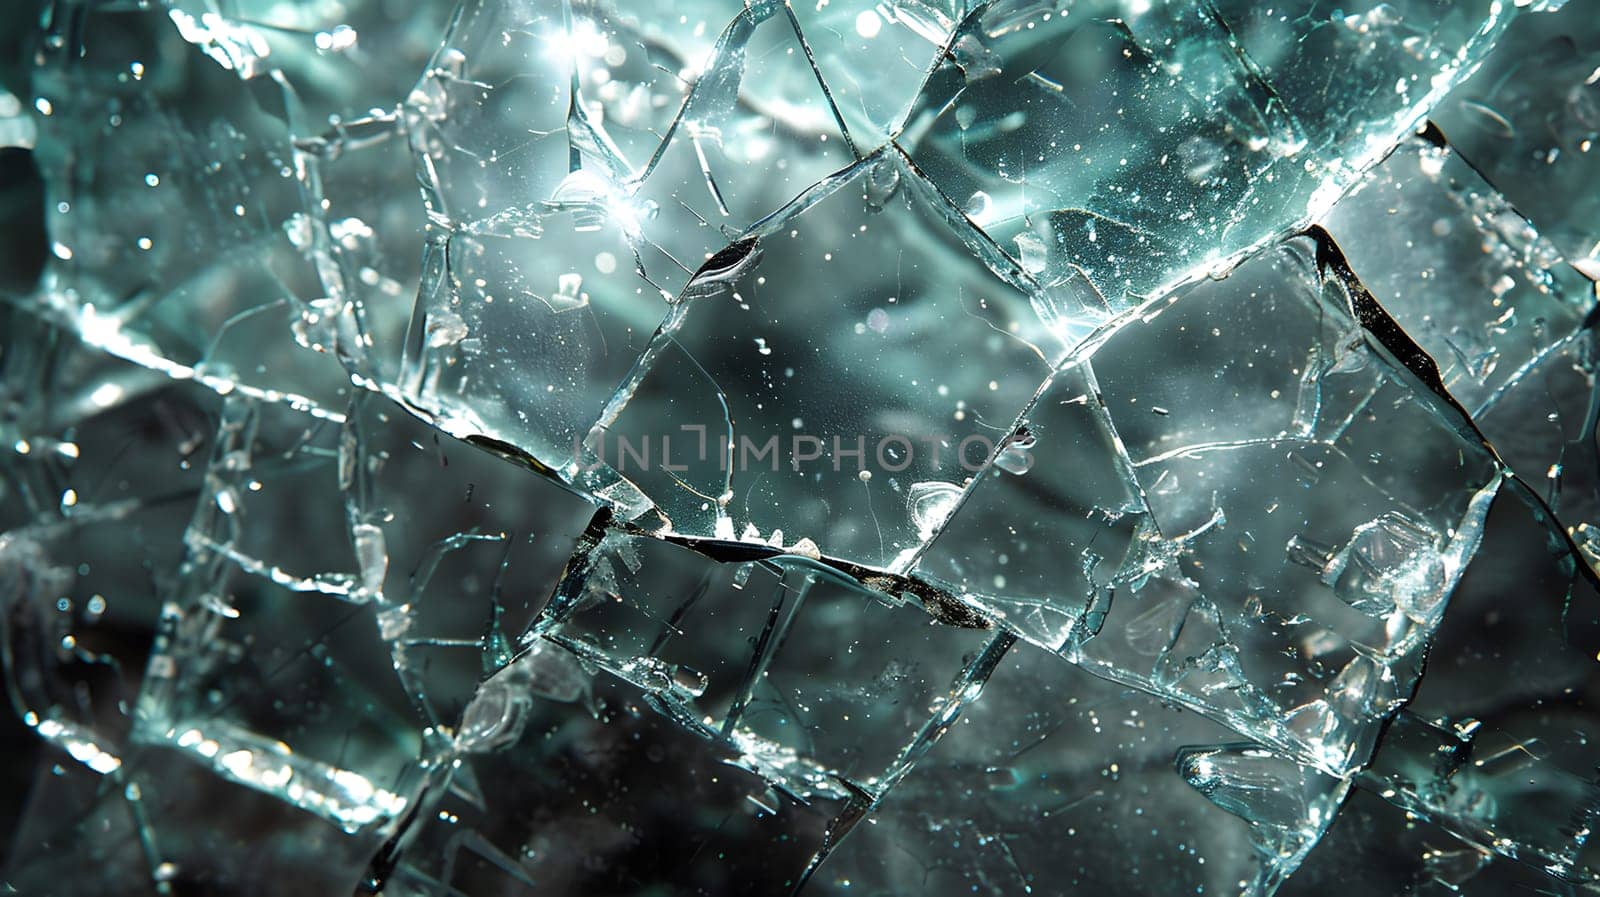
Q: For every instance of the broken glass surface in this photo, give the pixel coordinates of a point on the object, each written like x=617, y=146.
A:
x=1305, y=615
x=772, y=446
x=767, y=424
x=1527, y=119
x=1055, y=779
x=1132, y=144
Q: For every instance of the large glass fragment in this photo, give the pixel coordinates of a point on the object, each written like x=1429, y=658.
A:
x=742, y=649
x=1505, y=761
x=1496, y=305
x=1054, y=779
x=611, y=798
x=1527, y=119
x=1137, y=144
x=1297, y=617
x=772, y=419
x=263, y=665
x=141, y=182
x=568, y=256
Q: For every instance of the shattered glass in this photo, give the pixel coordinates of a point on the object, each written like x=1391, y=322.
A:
x=800, y=447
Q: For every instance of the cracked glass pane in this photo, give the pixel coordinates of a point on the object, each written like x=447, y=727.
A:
x=142, y=181
x=745, y=650
x=906, y=447
x=1478, y=246
x=1055, y=779
x=1300, y=618
x=768, y=415
x=263, y=665
x=1135, y=143
x=605, y=796
x=1528, y=120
